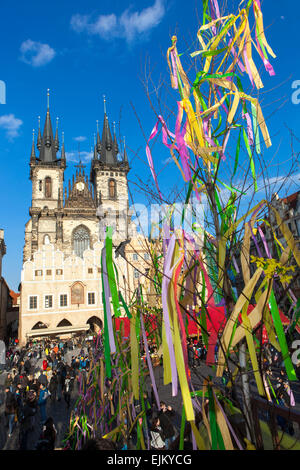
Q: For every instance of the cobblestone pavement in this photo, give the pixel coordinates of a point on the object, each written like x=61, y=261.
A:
x=61, y=414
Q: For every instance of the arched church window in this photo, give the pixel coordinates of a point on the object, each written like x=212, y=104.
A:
x=81, y=240
x=112, y=188
x=47, y=240
x=48, y=186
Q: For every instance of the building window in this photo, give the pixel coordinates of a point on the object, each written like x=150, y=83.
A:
x=112, y=189
x=90, y=270
x=146, y=256
x=135, y=256
x=48, y=272
x=48, y=187
x=63, y=300
x=38, y=272
x=48, y=301
x=59, y=272
x=99, y=270
x=47, y=240
x=33, y=302
x=81, y=240
x=91, y=298
x=40, y=185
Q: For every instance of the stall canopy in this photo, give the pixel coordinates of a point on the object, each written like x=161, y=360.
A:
x=215, y=321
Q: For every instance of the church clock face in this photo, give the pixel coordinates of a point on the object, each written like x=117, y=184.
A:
x=80, y=186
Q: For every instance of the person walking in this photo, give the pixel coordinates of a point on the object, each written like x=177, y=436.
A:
x=45, y=364
x=10, y=410
x=8, y=383
x=67, y=390
x=157, y=438
x=165, y=416
x=27, y=366
x=42, y=402
x=53, y=386
x=26, y=421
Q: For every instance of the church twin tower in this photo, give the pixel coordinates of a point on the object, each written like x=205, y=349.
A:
x=61, y=274
x=69, y=217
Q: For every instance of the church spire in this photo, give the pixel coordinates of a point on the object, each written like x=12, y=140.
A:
x=108, y=152
x=56, y=141
x=116, y=147
x=39, y=138
x=47, y=145
x=95, y=156
x=99, y=149
x=32, y=156
x=63, y=153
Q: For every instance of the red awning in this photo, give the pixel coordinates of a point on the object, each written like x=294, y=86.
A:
x=215, y=321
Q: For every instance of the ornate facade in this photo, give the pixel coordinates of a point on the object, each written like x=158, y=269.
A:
x=61, y=276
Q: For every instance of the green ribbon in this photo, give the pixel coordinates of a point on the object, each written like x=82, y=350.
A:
x=281, y=338
x=182, y=427
x=110, y=272
x=124, y=305
x=106, y=334
x=255, y=128
x=252, y=166
x=237, y=153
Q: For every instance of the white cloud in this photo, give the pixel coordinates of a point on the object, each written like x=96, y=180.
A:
x=128, y=25
x=80, y=138
x=84, y=156
x=11, y=124
x=35, y=53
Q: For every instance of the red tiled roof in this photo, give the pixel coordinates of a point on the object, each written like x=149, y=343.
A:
x=291, y=201
x=14, y=296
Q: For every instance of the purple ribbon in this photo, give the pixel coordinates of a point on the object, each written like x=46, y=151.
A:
x=165, y=284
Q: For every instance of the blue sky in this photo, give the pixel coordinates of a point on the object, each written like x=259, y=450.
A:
x=82, y=50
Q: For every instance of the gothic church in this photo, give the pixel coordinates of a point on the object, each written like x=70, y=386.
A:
x=61, y=275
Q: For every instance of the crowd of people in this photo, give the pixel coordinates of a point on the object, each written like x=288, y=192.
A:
x=45, y=372
x=36, y=375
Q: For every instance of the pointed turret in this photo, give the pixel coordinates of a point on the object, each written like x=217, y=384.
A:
x=63, y=153
x=39, y=139
x=125, y=158
x=33, y=155
x=99, y=146
x=56, y=140
x=106, y=134
x=115, y=143
x=108, y=155
x=48, y=145
x=95, y=156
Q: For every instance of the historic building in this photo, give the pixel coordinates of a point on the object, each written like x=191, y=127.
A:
x=5, y=298
x=61, y=275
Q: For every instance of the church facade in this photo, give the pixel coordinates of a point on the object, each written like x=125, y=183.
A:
x=61, y=276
